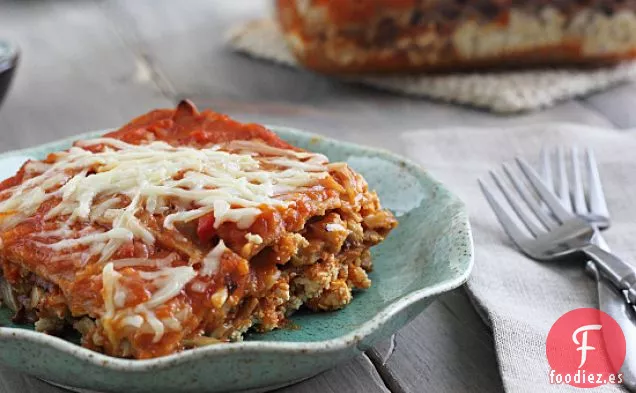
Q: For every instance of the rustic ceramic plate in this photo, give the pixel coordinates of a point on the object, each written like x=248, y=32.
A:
x=431, y=252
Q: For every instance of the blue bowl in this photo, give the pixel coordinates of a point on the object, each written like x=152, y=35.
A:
x=9, y=56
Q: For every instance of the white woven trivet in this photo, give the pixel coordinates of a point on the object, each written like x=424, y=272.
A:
x=503, y=92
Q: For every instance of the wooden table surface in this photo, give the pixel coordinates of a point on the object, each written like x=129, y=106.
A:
x=90, y=65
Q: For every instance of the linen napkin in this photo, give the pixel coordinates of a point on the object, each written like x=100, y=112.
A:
x=502, y=92
x=519, y=298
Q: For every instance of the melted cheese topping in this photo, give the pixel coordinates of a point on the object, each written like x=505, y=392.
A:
x=252, y=238
x=212, y=261
x=168, y=281
x=334, y=227
x=196, y=181
x=108, y=183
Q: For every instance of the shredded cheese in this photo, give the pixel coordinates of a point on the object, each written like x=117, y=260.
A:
x=169, y=282
x=109, y=282
x=212, y=261
x=252, y=238
x=233, y=185
x=121, y=183
x=333, y=227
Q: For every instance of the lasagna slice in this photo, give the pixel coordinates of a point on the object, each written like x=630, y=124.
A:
x=182, y=229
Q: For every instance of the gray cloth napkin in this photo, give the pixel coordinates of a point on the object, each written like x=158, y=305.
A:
x=519, y=298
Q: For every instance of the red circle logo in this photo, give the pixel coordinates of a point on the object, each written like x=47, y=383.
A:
x=585, y=348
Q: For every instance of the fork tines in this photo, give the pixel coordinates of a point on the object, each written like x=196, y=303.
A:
x=574, y=198
x=544, y=202
x=532, y=191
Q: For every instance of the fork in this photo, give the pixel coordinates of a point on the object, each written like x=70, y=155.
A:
x=554, y=233
x=595, y=211
x=590, y=203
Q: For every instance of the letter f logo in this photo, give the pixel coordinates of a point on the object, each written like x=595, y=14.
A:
x=583, y=344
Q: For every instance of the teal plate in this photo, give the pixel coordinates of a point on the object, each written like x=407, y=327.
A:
x=431, y=252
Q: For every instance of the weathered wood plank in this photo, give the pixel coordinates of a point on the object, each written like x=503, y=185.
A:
x=446, y=349
x=616, y=104
x=358, y=375
x=75, y=74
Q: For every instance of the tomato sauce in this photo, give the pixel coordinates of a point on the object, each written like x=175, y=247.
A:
x=187, y=126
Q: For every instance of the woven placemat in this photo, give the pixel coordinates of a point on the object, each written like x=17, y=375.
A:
x=502, y=92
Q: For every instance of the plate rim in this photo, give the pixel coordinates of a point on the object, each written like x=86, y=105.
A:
x=323, y=346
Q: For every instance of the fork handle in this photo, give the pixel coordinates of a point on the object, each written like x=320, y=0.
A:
x=618, y=272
